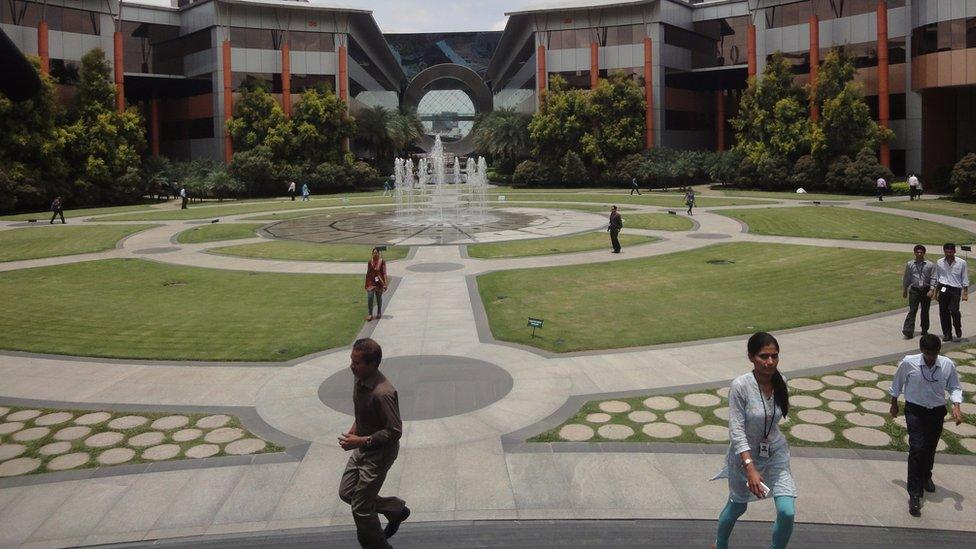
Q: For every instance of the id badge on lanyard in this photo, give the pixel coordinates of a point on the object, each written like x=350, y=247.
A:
x=764, y=449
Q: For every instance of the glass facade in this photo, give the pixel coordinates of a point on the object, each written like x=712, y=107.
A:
x=798, y=13
x=29, y=14
x=728, y=38
x=957, y=34
x=149, y=48
x=416, y=52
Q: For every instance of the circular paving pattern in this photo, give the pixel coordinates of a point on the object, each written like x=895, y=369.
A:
x=837, y=381
x=661, y=430
x=72, y=433
x=885, y=369
x=615, y=432
x=884, y=385
x=968, y=408
x=866, y=436
x=202, y=451
x=598, y=417
x=614, y=406
x=811, y=433
x=958, y=355
x=68, y=461
x=702, y=400
x=93, y=418
x=963, y=429
x=104, y=440
x=576, y=433
x=170, y=422
x=8, y=451
x=834, y=394
x=818, y=417
x=805, y=384
x=54, y=448
x=33, y=433
x=723, y=392
x=969, y=444
x=23, y=415
x=416, y=377
x=865, y=420
x=435, y=267
x=876, y=406
x=861, y=375
x=840, y=406
x=126, y=422
x=805, y=401
x=12, y=427
x=142, y=440
x=251, y=445
x=722, y=413
x=661, y=403
x=212, y=422
x=53, y=419
x=19, y=466
x=642, y=416
x=713, y=432
x=161, y=452
x=223, y=435
x=116, y=456
x=683, y=417
x=184, y=435
x=868, y=392
x=966, y=369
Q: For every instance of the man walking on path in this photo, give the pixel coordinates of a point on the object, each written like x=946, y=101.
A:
x=916, y=284
x=633, y=187
x=949, y=286
x=374, y=439
x=291, y=190
x=183, y=197
x=388, y=186
x=57, y=206
x=305, y=192
x=616, y=223
x=914, y=189
x=924, y=379
x=882, y=185
x=690, y=199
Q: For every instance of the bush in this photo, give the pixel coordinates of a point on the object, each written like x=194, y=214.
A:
x=900, y=188
x=258, y=171
x=865, y=171
x=528, y=174
x=724, y=167
x=626, y=169
x=963, y=179
x=837, y=174
x=330, y=177
x=219, y=184
x=806, y=174
x=572, y=171
x=363, y=175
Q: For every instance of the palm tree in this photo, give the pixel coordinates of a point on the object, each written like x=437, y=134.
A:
x=503, y=134
x=373, y=130
x=405, y=129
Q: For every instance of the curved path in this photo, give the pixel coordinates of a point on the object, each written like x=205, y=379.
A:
x=467, y=465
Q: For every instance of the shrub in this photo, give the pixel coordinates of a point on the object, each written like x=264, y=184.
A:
x=219, y=184
x=806, y=174
x=724, y=167
x=963, y=179
x=572, y=170
x=258, y=171
x=627, y=168
x=528, y=173
x=330, y=177
x=864, y=171
x=364, y=175
x=837, y=173
x=900, y=188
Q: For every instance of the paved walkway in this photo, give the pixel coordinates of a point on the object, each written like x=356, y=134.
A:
x=454, y=468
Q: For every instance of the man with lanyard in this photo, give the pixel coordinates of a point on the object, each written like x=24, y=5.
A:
x=949, y=285
x=915, y=285
x=924, y=379
x=913, y=188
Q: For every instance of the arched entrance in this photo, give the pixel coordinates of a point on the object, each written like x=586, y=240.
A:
x=448, y=97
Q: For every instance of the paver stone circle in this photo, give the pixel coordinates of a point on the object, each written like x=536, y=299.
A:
x=900, y=420
x=884, y=385
x=19, y=466
x=185, y=435
x=968, y=387
x=93, y=418
x=9, y=451
x=722, y=413
x=115, y=456
x=840, y=406
x=72, y=433
x=12, y=427
x=834, y=394
x=941, y=446
x=868, y=392
x=212, y=422
x=885, y=369
x=576, y=433
x=967, y=408
x=966, y=369
x=969, y=444
x=661, y=430
x=723, y=392
x=805, y=384
x=614, y=432
x=683, y=417
x=642, y=416
x=127, y=422
x=702, y=400
x=252, y=445
x=866, y=436
x=837, y=381
x=202, y=451
x=614, y=406
x=152, y=438
x=54, y=418
x=23, y=415
x=55, y=448
x=865, y=420
x=103, y=440
x=963, y=429
x=161, y=452
x=223, y=435
x=805, y=401
x=661, y=403
x=861, y=375
x=3, y=410
x=811, y=433
x=33, y=433
x=68, y=461
x=170, y=422
x=713, y=432
x=818, y=417
x=958, y=355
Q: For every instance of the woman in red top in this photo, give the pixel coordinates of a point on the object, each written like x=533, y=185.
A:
x=375, y=284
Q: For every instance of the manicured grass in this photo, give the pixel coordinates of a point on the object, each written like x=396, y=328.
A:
x=218, y=232
x=236, y=208
x=281, y=216
x=783, y=195
x=132, y=308
x=35, y=242
x=716, y=291
x=846, y=224
x=69, y=213
x=658, y=221
x=646, y=199
x=556, y=245
x=942, y=206
x=310, y=251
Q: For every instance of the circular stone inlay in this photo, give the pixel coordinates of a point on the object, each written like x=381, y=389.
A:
x=55, y=448
x=722, y=413
x=142, y=440
x=968, y=408
x=184, y=435
x=964, y=369
x=212, y=422
x=252, y=445
x=163, y=451
x=33, y=433
x=53, y=419
x=202, y=451
x=224, y=434
x=861, y=375
x=839, y=406
x=683, y=417
x=598, y=417
x=157, y=250
x=170, y=422
x=661, y=430
x=865, y=420
x=834, y=394
x=661, y=403
x=723, y=392
x=818, y=417
x=641, y=416
x=805, y=401
x=68, y=461
x=576, y=433
x=702, y=400
x=963, y=429
x=8, y=451
x=614, y=406
x=3, y=410
x=13, y=427
x=114, y=456
x=900, y=421
x=884, y=385
x=93, y=418
x=837, y=381
x=615, y=432
x=885, y=369
x=23, y=415
x=713, y=432
x=968, y=387
x=868, y=392
x=127, y=422
x=72, y=433
x=867, y=437
x=418, y=377
x=435, y=267
x=709, y=236
x=811, y=433
x=19, y=466
x=969, y=444
x=958, y=355
x=102, y=440
x=805, y=384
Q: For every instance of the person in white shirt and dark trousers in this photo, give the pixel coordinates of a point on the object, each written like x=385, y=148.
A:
x=949, y=286
x=924, y=379
x=916, y=284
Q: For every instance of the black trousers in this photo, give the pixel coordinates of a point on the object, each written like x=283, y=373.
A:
x=918, y=298
x=614, y=241
x=924, y=430
x=949, y=313
x=634, y=190
x=183, y=205
x=56, y=214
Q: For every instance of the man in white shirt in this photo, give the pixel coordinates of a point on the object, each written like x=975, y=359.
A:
x=183, y=197
x=913, y=187
x=916, y=285
x=924, y=379
x=881, y=184
x=950, y=284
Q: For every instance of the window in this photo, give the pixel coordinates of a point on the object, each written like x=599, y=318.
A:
x=311, y=41
x=957, y=34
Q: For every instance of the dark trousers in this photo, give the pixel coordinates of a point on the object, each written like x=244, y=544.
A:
x=614, y=241
x=917, y=298
x=881, y=192
x=360, y=487
x=924, y=430
x=949, y=313
x=292, y=193
x=183, y=205
x=58, y=212
x=634, y=190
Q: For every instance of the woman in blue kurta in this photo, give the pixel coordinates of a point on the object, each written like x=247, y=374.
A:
x=758, y=455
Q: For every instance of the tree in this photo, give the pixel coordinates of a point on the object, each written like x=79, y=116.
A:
x=503, y=135
x=572, y=170
x=865, y=171
x=373, y=130
x=560, y=123
x=259, y=121
x=964, y=177
x=257, y=170
x=319, y=124
x=616, y=109
x=405, y=130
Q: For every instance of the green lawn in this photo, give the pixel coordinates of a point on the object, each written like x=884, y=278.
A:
x=69, y=213
x=218, y=231
x=942, y=206
x=717, y=291
x=129, y=308
x=658, y=222
x=846, y=224
x=35, y=242
x=235, y=208
x=782, y=195
x=646, y=199
x=309, y=251
x=556, y=245
x=281, y=216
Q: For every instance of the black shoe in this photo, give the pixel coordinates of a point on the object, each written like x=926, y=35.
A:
x=908, y=336
x=929, y=486
x=394, y=525
x=946, y=338
x=925, y=332
x=914, y=506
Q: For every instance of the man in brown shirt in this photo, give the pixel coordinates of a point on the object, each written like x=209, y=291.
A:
x=375, y=440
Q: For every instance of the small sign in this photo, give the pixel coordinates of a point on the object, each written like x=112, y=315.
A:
x=215, y=221
x=672, y=212
x=816, y=202
x=381, y=248
x=966, y=248
x=501, y=198
x=535, y=323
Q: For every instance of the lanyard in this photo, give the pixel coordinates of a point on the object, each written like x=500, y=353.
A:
x=766, y=416
x=921, y=370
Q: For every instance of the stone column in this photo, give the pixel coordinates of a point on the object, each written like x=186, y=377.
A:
x=648, y=95
x=885, y=155
x=154, y=126
x=541, y=76
x=42, y=48
x=119, y=68
x=228, y=101
x=286, y=78
x=720, y=120
x=343, y=63
x=814, y=66
x=751, y=48
x=594, y=65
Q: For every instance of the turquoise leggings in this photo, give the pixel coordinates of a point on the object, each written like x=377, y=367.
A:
x=782, y=528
